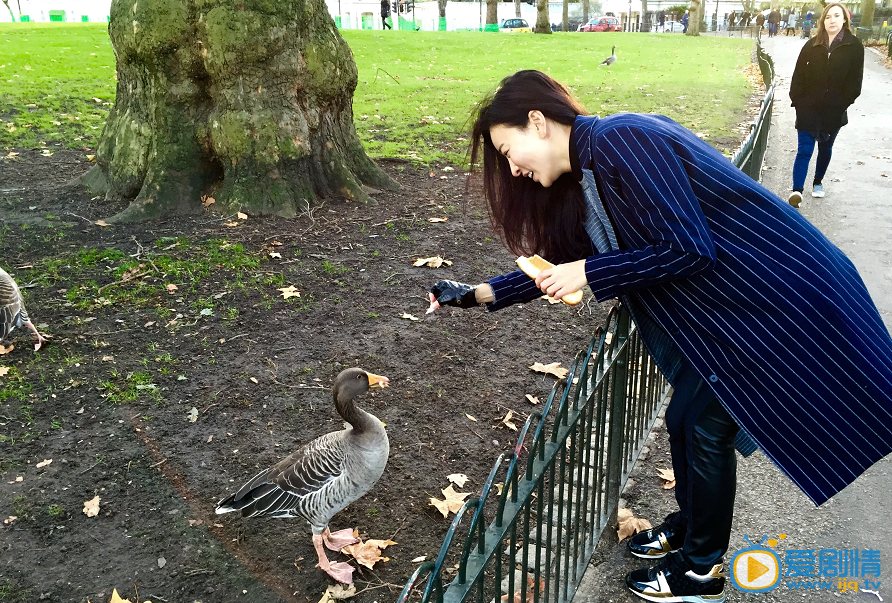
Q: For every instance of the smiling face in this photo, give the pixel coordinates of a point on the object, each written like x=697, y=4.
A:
x=535, y=151
x=833, y=21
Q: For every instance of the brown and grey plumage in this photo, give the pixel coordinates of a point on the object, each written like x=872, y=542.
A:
x=609, y=60
x=325, y=475
x=12, y=310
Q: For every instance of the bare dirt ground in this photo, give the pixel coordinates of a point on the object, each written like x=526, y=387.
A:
x=110, y=400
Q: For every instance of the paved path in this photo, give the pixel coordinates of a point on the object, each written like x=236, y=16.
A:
x=856, y=215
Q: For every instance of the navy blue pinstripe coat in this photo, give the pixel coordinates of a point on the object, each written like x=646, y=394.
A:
x=772, y=315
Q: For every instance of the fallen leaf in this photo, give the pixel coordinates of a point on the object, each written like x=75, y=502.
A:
x=252, y=379
x=46, y=153
x=452, y=503
x=108, y=359
x=241, y=216
x=193, y=415
x=419, y=559
x=275, y=254
x=5, y=350
x=506, y=421
x=171, y=288
x=629, y=524
x=207, y=201
x=100, y=223
x=3, y=370
x=432, y=262
x=471, y=417
x=149, y=324
x=668, y=477
x=437, y=219
x=10, y=519
x=42, y=464
x=531, y=595
x=196, y=522
x=533, y=399
x=289, y=291
x=91, y=507
x=368, y=553
x=408, y=316
x=337, y=592
x=91, y=158
x=554, y=368
x=458, y=479
x=230, y=223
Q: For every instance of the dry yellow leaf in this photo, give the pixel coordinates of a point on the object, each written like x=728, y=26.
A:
x=470, y=417
x=289, y=291
x=5, y=350
x=629, y=524
x=368, y=553
x=554, y=368
x=458, y=479
x=43, y=463
x=507, y=422
x=3, y=370
x=432, y=262
x=531, y=595
x=241, y=216
x=668, y=477
x=91, y=507
x=91, y=158
x=533, y=399
x=100, y=223
x=207, y=201
x=408, y=316
x=338, y=592
x=230, y=223
x=437, y=219
x=171, y=288
x=452, y=503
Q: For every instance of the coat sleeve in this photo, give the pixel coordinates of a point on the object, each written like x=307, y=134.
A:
x=797, y=84
x=650, y=197
x=512, y=288
x=852, y=88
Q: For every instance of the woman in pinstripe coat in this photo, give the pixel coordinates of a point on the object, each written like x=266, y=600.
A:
x=758, y=320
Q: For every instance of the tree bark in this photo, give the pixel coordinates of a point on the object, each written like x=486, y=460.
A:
x=251, y=103
x=646, y=22
x=585, y=9
x=565, y=16
x=867, y=7
x=492, y=15
x=543, y=25
x=441, y=5
x=694, y=18
x=517, y=8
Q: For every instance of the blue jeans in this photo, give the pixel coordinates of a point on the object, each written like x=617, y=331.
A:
x=803, y=157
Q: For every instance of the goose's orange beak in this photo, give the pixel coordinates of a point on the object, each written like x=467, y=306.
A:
x=377, y=381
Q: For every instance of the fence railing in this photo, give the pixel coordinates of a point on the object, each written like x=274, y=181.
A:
x=552, y=495
x=752, y=151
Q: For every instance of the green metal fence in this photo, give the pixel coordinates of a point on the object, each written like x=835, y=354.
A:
x=561, y=482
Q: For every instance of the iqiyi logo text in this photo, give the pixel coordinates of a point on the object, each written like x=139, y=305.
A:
x=758, y=568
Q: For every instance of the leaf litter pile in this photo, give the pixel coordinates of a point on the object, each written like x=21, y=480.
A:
x=190, y=353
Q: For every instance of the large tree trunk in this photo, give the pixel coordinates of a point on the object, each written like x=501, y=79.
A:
x=543, y=25
x=517, y=8
x=694, y=18
x=251, y=106
x=867, y=7
x=441, y=5
x=585, y=9
x=492, y=15
x=565, y=17
x=646, y=23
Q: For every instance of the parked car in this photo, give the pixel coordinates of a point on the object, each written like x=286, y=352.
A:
x=603, y=24
x=670, y=27
x=515, y=25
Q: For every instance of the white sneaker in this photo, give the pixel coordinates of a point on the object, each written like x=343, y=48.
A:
x=817, y=191
x=795, y=199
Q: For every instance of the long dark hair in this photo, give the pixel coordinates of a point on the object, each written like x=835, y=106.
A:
x=528, y=217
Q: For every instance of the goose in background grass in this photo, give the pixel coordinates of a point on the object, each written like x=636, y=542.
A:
x=609, y=60
x=325, y=475
x=12, y=310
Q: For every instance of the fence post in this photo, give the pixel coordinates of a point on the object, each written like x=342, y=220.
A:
x=617, y=414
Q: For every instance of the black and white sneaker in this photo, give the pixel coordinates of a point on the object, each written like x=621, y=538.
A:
x=674, y=582
x=657, y=542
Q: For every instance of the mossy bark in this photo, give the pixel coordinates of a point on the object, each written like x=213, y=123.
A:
x=694, y=18
x=249, y=100
x=543, y=25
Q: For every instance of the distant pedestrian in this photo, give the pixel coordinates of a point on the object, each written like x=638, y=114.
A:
x=385, y=12
x=791, y=24
x=746, y=19
x=827, y=79
x=662, y=20
x=684, y=22
x=760, y=21
x=806, y=28
x=731, y=20
x=774, y=19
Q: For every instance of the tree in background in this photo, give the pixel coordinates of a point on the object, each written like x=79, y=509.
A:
x=585, y=11
x=565, y=16
x=492, y=15
x=517, y=8
x=249, y=102
x=867, y=7
x=9, y=8
x=543, y=25
x=694, y=18
x=441, y=5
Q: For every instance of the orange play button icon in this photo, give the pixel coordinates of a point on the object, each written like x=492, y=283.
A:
x=754, y=569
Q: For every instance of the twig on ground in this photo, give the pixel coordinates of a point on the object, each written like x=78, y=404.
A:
x=385, y=71
x=81, y=217
x=158, y=464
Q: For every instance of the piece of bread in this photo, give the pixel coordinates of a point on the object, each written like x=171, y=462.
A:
x=533, y=265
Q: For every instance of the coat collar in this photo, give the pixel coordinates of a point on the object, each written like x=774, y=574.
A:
x=580, y=144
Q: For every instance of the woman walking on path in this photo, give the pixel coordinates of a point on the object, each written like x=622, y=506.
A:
x=385, y=12
x=757, y=320
x=827, y=79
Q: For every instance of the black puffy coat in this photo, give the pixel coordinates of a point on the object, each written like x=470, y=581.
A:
x=825, y=84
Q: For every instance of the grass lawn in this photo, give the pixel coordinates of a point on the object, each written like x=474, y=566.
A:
x=416, y=89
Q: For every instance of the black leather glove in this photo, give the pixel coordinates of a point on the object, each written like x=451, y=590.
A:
x=451, y=293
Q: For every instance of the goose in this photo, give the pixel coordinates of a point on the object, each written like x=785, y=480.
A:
x=611, y=59
x=325, y=475
x=12, y=310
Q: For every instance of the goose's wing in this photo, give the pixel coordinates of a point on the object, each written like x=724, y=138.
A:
x=279, y=490
x=12, y=308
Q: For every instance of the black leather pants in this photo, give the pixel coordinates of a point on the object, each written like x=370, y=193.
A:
x=701, y=440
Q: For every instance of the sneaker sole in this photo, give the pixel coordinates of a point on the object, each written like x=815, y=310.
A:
x=817, y=195
x=657, y=554
x=795, y=200
x=681, y=599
